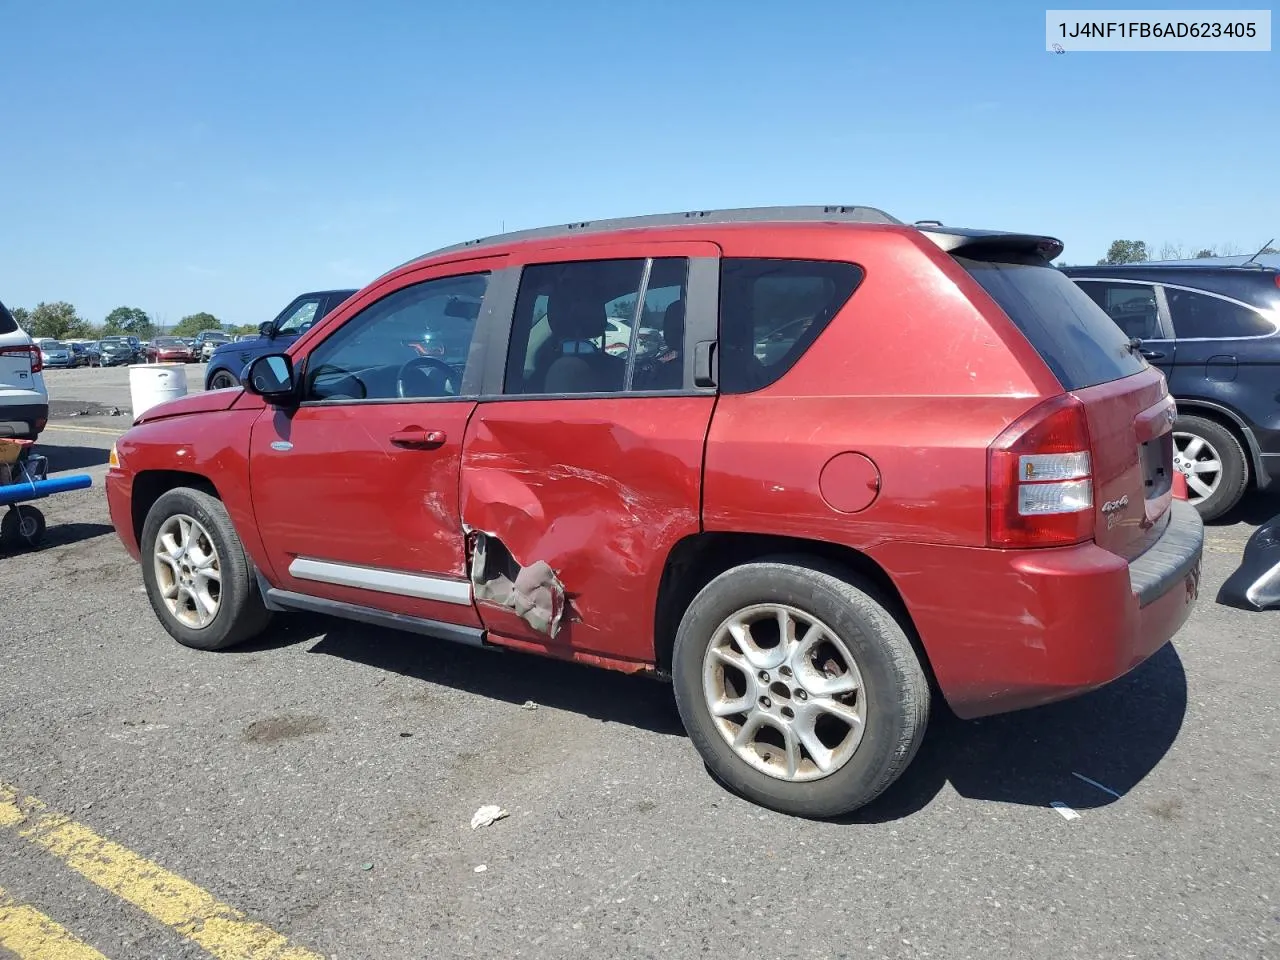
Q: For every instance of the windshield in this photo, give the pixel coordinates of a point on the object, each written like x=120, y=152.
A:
x=169, y=342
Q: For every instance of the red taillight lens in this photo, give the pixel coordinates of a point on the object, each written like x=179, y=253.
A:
x=1040, y=478
x=31, y=350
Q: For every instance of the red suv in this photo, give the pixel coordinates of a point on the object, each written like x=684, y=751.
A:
x=869, y=459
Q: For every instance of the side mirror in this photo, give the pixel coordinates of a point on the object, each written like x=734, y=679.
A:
x=271, y=377
x=267, y=329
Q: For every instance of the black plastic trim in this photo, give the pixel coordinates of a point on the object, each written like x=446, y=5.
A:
x=1171, y=558
x=288, y=600
x=992, y=244
x=701, y=320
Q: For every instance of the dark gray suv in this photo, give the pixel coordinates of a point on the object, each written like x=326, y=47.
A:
x=1214, y=331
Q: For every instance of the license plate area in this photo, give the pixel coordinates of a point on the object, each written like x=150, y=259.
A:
x=1155, y=459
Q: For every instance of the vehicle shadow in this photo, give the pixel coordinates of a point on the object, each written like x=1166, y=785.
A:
x=1114, y=736
x=59, y=535
x=509, y=676
x=63, y=458
x=1255, y=510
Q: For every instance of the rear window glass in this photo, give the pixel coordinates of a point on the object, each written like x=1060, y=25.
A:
x=7, y=323
x=1073, y=335
x=771, y=311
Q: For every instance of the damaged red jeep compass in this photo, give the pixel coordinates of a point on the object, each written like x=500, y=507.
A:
x=810, y=463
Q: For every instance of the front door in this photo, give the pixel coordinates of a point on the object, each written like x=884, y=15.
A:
x=356, y=490
x=586, y=470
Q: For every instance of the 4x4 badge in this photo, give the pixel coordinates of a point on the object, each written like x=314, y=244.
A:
x=1111, y=510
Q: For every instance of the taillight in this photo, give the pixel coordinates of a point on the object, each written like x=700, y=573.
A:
x=1040, y=478
x=31, y=350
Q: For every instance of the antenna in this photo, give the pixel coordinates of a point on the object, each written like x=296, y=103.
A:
x=1259, y=253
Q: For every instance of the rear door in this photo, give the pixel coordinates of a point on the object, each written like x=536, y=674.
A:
x=584, y=468
x=1127, y=402
x=16, y=357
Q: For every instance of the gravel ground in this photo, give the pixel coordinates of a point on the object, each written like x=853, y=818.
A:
x=323, y=782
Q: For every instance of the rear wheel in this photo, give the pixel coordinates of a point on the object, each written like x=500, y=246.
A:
x=798, y=687
x=1213, y=462
x=221, y=380
x=198, y=578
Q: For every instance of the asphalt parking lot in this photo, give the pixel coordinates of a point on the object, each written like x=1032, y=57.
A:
x=311, y=796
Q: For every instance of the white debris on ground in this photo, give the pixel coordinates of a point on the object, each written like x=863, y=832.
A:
x=529, y=705
x=487, y=814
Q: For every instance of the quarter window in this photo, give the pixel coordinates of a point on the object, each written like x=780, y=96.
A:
x=598, y=326
x=771, y=312
x=1200, y=316
x=411, y=345
x=1131, y=305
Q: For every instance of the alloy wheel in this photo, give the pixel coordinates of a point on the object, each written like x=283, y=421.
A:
x=188, y=573
x=784, y=692
x=1199, y=461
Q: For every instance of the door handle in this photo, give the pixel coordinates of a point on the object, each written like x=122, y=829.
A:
x=415, y=438
x=1152, y=354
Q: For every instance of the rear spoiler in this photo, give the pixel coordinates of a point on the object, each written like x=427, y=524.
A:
x=993, y=244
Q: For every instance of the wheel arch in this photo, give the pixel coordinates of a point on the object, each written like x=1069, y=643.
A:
x=701, y=557
x=150, y=485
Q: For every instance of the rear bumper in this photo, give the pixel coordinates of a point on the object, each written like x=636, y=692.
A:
x=1006, y=629
x=23, y=421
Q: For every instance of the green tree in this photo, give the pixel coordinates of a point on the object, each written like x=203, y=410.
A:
x=57, y=320
x=189, y=326
x=128, y=320
x=22, y=317
x=1205, y=252
x=1271, y=250
x=1126, y=251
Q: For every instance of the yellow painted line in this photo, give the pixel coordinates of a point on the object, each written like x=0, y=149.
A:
x=68, y=429
x=30, y=935
x=193, y=912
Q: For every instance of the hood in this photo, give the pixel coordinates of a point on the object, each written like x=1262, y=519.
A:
x=229, y=346
x=209, y=401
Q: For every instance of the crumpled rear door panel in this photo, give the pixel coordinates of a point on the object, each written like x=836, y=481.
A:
x=572, y=507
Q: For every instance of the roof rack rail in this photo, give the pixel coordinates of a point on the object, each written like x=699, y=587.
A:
x=845, y=213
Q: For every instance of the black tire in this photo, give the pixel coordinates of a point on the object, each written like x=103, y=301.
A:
x=23, y=528
x=241, y=614
x=894, y=683
x=222, y=379
x=1233, y=480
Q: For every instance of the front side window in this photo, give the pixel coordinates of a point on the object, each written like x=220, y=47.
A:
x=1200, y=316
x=300, y=318
x=771, y=311
x=597, y=326
x=412, y=344
x=1131, y=305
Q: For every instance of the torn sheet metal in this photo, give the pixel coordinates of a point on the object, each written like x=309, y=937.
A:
x=534, y=593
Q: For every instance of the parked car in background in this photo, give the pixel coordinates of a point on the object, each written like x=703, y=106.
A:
x=1215, y=333
x=207, y=341
x=79, y=352
x=169, y=350
x=229, y=360
x=55, y=353
x=24, y=399
x=115, y=351
x=92, y=353
x=969, y=480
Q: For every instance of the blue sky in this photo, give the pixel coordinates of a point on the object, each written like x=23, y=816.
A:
x=226, y=156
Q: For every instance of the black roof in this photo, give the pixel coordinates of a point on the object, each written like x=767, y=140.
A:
x=1252, y=284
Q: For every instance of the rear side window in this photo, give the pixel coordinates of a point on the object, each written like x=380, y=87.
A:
x=771, y=312
x=1131, y=305
x=7, y=323
x=1200, y=316
x=1073, y=335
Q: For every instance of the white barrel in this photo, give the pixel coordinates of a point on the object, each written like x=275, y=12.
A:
x=153, y=383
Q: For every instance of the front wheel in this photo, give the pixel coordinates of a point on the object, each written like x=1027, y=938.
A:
x=221, y=380
x=798, y=687
x=1213, y=462
x=197, y=575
